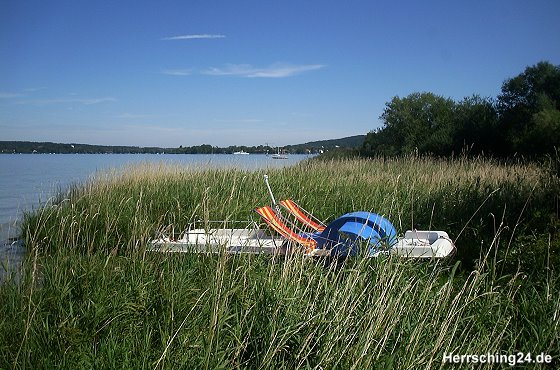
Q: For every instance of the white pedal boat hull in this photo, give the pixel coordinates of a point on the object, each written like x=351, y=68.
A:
x=216, y=240
x=414, y=244
x=422, y=244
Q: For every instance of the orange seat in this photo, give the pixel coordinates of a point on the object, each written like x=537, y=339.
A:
x=291, y=207
x=272, y=220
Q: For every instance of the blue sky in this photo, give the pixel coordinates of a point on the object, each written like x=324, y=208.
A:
x=170, y=73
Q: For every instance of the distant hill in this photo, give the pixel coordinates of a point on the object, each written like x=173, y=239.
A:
x=350, y=142
x=75, y=148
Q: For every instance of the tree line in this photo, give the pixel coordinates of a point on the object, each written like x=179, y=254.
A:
x=524, y=119
x=313, y=147
x=75, y=148
x=11, y=147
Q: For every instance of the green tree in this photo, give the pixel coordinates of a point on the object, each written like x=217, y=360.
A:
x=528, y=107
x=543, y=135
x=419, y=122
x=476, y=127
x=524, y=119
x=381, y=141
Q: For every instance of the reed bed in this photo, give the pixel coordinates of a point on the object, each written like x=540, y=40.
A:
x=92, y=296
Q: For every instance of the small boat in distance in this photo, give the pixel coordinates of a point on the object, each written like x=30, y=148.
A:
x=279, y=155
x=241, y=152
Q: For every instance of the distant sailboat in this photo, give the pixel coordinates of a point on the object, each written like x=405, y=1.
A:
x=279, y=155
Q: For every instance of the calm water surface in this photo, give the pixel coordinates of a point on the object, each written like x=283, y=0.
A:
x=29, y=180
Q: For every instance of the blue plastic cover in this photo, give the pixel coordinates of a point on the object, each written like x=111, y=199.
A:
x=342, y=234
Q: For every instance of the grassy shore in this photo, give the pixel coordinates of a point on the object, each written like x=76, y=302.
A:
x=91, y=296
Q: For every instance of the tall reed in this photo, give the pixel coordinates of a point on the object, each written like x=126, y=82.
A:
x=92, y=296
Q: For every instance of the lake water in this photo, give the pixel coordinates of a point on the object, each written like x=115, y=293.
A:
x=29, y=180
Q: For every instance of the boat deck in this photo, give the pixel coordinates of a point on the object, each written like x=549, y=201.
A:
x=230, y=240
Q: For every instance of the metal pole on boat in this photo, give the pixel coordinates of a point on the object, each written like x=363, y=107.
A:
x=269, y=190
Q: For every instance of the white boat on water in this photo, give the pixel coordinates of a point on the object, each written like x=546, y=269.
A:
x=279, y=155
x=241, y=153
